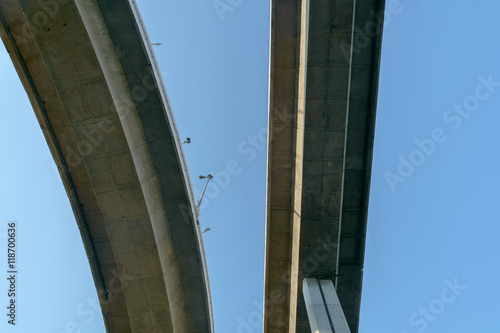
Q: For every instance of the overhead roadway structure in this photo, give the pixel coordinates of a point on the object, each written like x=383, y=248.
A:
x=91, y=76
x=324, y=68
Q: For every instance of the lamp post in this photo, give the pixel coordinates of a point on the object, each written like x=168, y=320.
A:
x=208, y=177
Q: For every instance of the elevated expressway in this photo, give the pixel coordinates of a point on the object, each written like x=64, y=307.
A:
x=324, y=66
x=91, y=76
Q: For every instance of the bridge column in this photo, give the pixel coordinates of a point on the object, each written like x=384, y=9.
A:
x=323, y=307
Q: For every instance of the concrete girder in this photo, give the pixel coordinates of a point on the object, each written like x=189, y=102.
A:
x=95, y=87
x=320, y=151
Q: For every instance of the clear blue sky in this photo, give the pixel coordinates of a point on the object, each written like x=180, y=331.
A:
x=435, y=224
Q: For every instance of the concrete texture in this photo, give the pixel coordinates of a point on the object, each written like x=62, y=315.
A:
x=323, y=88
x=323, y=307
x=94, y=85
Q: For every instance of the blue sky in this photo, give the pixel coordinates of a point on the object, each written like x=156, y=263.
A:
x=431, y=240
x=441, y=222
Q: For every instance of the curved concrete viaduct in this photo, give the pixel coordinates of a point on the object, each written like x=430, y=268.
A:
x=325, y=58
x=93, y=81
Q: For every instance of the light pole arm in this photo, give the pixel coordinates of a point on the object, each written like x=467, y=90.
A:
x=203, y=193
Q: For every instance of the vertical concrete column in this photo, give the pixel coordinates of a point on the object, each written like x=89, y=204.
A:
x=323, y=307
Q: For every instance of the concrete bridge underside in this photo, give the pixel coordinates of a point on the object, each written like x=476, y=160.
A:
x=94, y=84
x=325, y=57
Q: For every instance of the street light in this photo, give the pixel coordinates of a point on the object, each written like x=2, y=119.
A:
x=208, y=177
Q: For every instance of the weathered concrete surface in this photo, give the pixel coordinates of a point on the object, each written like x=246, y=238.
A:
x=323, y=88
x=95, y=88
